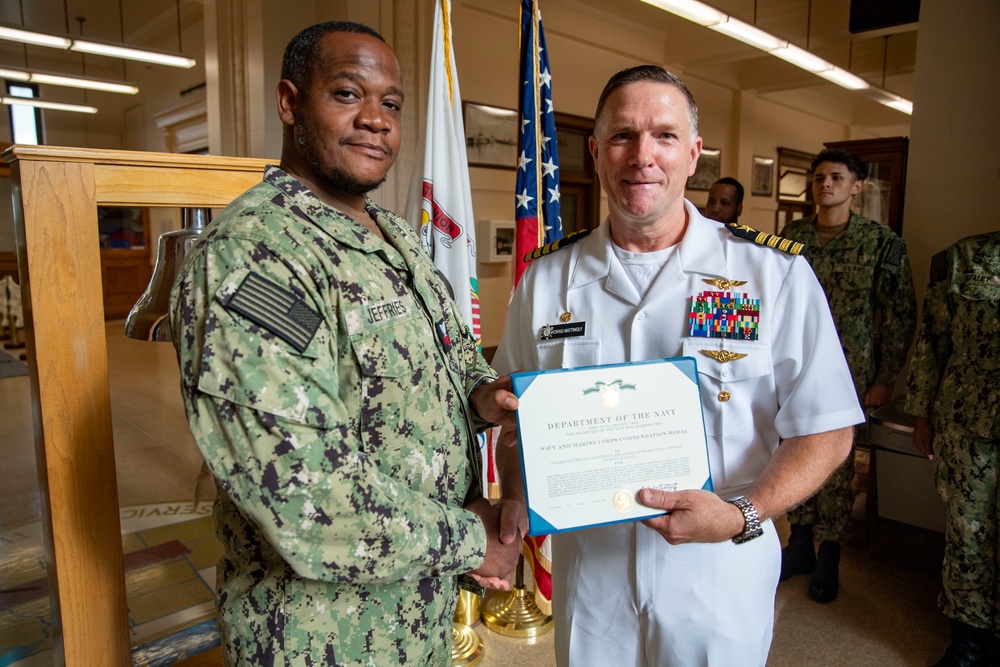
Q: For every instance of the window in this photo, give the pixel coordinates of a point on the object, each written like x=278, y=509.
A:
x=25, y=121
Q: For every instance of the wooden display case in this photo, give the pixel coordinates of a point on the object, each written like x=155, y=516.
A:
x=56, y=195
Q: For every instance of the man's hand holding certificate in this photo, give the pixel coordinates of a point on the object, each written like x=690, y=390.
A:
x=591, y=438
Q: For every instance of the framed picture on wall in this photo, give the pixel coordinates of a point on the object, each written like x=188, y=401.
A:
x=495, y=239
x=762, y=176
x=708, y=170
x=490, y=135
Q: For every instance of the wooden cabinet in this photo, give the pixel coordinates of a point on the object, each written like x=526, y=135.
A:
x=126, y=267
x=56, y=195
x=124, y=277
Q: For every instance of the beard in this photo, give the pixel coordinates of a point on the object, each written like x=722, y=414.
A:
x=332, y=178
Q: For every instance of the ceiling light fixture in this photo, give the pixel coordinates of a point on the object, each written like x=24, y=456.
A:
x=14, y=74
x=128, y=53
x=42, y=104
x=844, y=79
x=691, y=10
x=54, y=79
x=28, y=37
x=713, y=19
x=18, y=34
x=749, y=34
x=801, y=58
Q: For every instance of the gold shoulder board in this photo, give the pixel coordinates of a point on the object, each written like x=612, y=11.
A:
x=555, y=245
x=763, y=238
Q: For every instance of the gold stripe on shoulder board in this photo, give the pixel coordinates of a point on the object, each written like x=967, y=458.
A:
x=763, y=238
x=556, y=245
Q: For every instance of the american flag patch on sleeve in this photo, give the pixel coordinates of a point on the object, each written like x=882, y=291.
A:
x=273, y=307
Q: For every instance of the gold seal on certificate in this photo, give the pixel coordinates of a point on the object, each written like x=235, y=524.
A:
x=623, y=501
x=592, y=434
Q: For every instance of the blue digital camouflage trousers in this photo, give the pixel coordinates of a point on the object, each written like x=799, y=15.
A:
x=968, y=480
x=829, y=510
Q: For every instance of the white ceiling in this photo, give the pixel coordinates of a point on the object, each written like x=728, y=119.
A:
x=884, y=60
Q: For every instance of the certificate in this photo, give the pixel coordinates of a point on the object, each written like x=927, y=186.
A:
x=592, y=437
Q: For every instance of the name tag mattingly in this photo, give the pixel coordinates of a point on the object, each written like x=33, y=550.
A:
x=568, y=330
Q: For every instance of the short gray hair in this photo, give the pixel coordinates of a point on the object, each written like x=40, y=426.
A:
x=648, y=73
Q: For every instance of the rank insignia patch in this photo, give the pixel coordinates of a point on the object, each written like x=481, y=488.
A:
x=276, y=309
x=724, y=315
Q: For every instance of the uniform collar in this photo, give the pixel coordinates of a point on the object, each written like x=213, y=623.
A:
x=699, y=251
x=304, y=203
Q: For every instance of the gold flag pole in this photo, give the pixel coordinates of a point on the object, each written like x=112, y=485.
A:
x=467, y=646
x=515, y=614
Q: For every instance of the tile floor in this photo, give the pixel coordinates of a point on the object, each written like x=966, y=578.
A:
x=885, y=614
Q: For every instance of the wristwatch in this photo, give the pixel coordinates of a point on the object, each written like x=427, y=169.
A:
x=752, y=527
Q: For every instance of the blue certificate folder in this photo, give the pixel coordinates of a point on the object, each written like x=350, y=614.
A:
x=591, y=437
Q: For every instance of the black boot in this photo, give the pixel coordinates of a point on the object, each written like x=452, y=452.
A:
x=969, y=647
x=799, y=557
x=826, y=580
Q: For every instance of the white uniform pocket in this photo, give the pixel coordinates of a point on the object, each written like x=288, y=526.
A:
x=728, y=385
x=568, y=354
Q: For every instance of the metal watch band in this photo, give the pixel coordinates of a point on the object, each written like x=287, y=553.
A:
x=752, y=527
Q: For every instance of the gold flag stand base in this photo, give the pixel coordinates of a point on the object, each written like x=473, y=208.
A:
x=515, y=614
x=467, y=647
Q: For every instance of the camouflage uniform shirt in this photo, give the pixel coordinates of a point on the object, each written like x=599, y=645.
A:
x=955, y=370
x=862, y=270
x=325, y=375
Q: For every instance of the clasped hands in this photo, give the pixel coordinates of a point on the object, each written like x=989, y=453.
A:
x=506, y=522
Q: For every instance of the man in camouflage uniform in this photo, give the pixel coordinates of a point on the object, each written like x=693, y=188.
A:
x=864, y=271
x=953, y=389
x=335, y=392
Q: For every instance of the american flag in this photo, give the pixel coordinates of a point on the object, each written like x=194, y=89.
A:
x=536, y=213
x=536, y=209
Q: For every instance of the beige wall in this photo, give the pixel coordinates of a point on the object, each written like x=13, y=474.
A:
x=953, y=169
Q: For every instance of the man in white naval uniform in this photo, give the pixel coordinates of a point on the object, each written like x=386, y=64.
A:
x=692, y=587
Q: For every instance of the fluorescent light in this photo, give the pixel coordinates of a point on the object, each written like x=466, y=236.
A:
x=41, y=104
x=844, y=79
x=40, y=39
x=55, y=79
x=748, y=34
x=801, y=58
x=722, y=23
x=14, y=34
x=691, y=10
x=90, y=84
x=902, y=104
x=13, y=74
x=127, y=53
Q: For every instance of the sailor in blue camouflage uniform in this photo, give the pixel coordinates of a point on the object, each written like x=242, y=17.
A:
x=953, y=389
x=864, y=271
x=335, y=391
